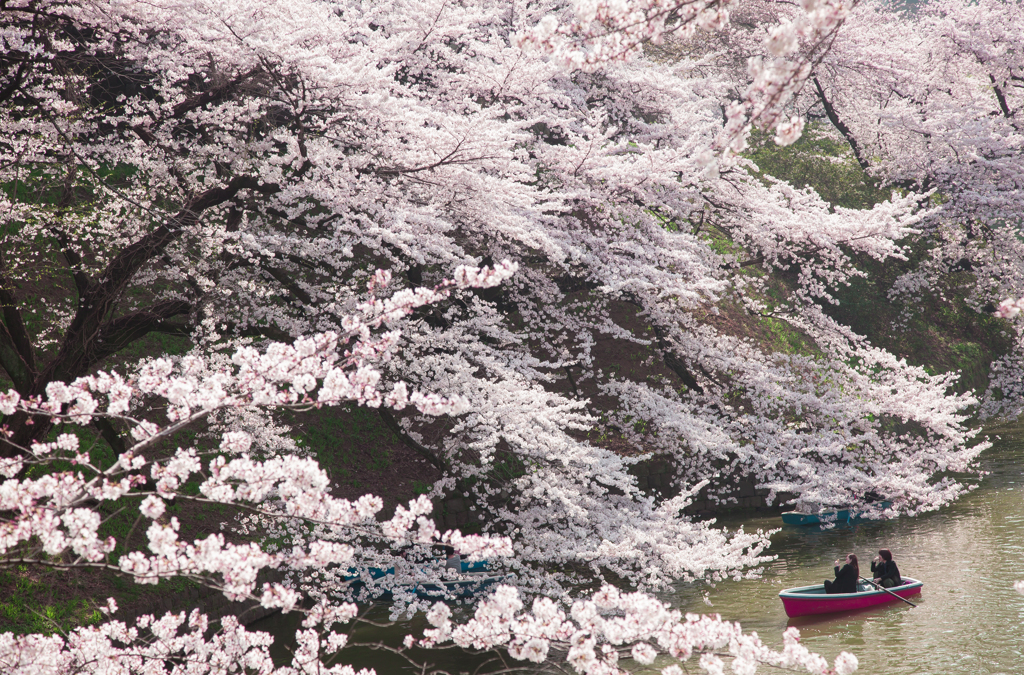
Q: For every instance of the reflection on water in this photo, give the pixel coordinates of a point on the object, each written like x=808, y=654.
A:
x=969, y=620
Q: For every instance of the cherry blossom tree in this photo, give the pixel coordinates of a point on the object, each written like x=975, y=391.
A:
x=931, y=100
x=237, y=173
x=55, y=522
x=207, y=170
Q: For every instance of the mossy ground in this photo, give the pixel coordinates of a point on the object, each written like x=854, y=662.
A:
x=33, y=603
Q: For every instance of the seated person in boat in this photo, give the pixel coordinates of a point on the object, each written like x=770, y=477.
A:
x=884, y=570
x=846, y=578
x=453, y=560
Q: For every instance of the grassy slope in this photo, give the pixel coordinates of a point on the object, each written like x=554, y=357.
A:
x=940, y=332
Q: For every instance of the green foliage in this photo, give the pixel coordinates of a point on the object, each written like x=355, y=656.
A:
x=719, y=242
x=821, y=161
x=939, y=331
x=345, y=440
x=507, y=466
x=782, y=337
x=420, y=487
x=32, y=605
x=34, y=600
x=99, y=452
x=152, y=344
x=966, y=353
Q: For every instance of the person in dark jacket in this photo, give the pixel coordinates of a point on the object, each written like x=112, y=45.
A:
x=846, y=578
x=884, y=570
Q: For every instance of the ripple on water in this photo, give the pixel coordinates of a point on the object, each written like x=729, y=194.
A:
x=968, y=621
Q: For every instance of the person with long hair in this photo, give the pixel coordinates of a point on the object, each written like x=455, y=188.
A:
x=846, y=577
x=884, y=570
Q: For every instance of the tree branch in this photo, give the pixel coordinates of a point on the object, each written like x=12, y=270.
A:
x=833, y=117
x=74, y=262
x=15, y=82
x=211, y=95
x=674, y=363
x=101, y=297
x=89, y=338
x=270, y=332
x=408, y=440
x=746, y=263
x=13, y=364
x=119, y=333
x=111, y=436
x=1007, y=113
x=16, y=354
x=285, y=280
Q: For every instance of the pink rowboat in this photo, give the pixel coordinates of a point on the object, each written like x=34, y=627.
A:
x=813, y=599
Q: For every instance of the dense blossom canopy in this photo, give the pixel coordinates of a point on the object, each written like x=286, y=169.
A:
x=446, y=211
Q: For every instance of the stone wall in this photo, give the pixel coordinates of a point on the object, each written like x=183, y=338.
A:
x=655, y=476
x=748, y=499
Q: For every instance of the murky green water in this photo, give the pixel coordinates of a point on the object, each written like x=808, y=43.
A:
x=969, y=620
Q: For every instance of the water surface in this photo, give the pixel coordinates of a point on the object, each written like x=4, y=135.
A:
x=969, y=620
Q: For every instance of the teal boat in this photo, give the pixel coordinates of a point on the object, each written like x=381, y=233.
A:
x=841, y=517
x=475, y=578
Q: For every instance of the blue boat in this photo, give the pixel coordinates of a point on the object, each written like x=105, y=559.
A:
x=841, y=517
x=475, y=578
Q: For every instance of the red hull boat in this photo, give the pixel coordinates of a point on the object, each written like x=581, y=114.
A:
x=813, y=599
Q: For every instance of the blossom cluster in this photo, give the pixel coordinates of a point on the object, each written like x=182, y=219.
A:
x=56, y=512
x=1009, y=308
x=612, y=624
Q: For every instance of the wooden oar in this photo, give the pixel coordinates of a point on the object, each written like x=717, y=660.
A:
x=883, y=588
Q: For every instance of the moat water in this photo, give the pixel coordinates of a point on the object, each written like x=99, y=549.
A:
x=969, y=620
